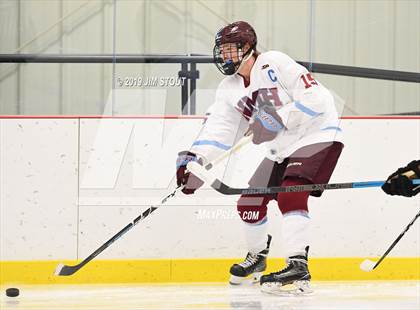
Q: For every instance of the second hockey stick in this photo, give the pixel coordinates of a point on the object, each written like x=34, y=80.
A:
x=368, y=265
x=225, y=189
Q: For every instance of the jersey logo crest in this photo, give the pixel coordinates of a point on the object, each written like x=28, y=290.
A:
x=265, y=66
x=246, y=106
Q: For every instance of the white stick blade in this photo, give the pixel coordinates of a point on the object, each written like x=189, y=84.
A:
x=200, y=172
x=58, y=269
x=367, y=265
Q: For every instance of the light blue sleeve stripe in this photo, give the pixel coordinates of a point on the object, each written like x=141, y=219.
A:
x=213, y=143
x=306, y=110
x=332, y=128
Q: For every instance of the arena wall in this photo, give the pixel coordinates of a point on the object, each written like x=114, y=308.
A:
x=68, y=184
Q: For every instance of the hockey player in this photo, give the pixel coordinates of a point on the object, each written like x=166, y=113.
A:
x=400, y=184
x=294, y=115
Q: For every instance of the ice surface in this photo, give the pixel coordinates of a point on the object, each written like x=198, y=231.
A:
x=383, y=295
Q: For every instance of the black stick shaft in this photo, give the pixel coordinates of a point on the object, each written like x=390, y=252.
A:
x=397, y=240
x=118, y=235
x=69, y=270
x=227, y=190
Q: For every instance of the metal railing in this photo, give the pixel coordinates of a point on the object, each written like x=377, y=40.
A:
x=191, y=74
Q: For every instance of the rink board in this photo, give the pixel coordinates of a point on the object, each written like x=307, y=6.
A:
x=196, y=270
x=69, y=184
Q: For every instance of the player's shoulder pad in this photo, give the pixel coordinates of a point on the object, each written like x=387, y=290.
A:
x=276, y=57
x=226, y=87
x=227, y=82
x=224, y=90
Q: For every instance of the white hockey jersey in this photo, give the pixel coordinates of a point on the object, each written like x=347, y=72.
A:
x=305, y=106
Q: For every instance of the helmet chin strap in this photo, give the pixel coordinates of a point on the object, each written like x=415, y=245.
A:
x=247, y=57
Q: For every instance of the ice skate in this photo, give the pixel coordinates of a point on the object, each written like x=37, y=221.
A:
x=292, y=280
x=251, y=268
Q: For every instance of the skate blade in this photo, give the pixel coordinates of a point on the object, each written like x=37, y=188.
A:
x=297, y=288
x=249, y=280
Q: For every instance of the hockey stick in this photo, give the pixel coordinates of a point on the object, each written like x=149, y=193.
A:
x=65, y=270
x=225, y=189
x=368, y=265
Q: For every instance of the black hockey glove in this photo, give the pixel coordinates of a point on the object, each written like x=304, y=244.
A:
x=183, y=177
x=401, y=185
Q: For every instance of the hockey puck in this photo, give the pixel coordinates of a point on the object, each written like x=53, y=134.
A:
x=12, y=292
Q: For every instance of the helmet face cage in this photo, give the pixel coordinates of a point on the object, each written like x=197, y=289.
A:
x=227, y=58
x=230, y=41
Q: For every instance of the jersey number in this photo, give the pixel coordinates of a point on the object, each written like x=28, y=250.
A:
x=308, y=80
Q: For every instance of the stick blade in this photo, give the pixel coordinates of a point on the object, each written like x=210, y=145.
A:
x=58, y=269
x=63, y=270
x=367, y=265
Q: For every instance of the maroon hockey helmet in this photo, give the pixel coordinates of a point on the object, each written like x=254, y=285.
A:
x=239, y=33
